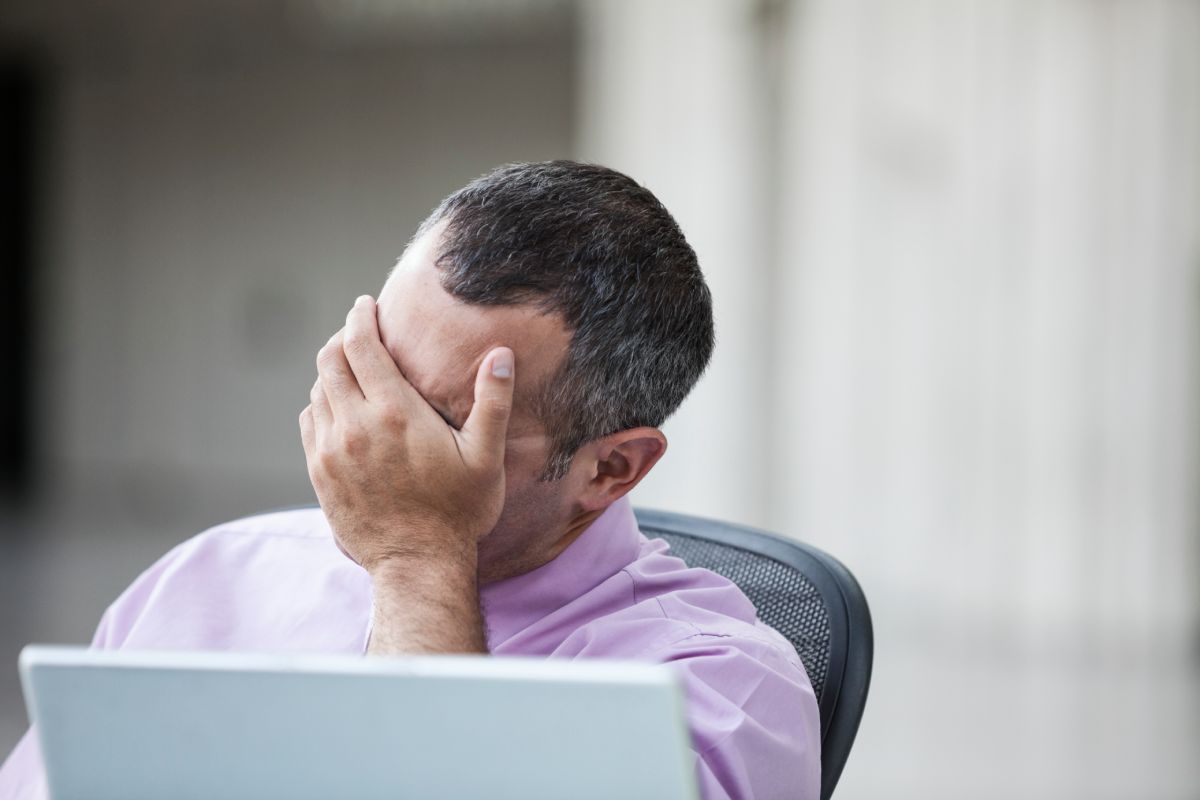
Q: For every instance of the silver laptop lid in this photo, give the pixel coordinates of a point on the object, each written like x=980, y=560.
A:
x=132, y=725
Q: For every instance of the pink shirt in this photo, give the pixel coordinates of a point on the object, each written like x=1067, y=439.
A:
x=277, y=582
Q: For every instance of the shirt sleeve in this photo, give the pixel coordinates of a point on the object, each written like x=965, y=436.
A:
x=22, y=776
x=753, y=719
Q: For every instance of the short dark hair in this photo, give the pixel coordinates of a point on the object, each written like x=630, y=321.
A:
x=593, y=245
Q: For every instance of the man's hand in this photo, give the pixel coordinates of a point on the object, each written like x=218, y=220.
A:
x=398, y=485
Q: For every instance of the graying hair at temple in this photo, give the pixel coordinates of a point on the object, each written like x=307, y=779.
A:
x=593, y=245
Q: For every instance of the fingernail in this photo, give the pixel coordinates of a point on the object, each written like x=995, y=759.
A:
x=502, y=364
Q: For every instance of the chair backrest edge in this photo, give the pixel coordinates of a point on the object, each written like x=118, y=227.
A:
x=856, y=675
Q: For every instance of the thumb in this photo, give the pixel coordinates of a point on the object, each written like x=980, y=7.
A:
x=487, y=425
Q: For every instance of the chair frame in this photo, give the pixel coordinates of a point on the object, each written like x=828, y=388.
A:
x=851, y=640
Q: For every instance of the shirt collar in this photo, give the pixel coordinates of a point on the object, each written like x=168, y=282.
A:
x=607, y=546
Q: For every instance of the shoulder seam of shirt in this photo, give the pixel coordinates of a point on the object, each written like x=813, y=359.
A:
x=792, y=658
x=698, y=631
x=632, y=584
x=662, y=609
x=699, y=634
x=694, y=626
x=788, y=654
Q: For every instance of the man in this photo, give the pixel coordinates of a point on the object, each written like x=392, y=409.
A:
x=471, y=438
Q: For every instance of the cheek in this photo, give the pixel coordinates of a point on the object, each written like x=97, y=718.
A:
x=524, y=461
x=524, y=489
x=529, y=503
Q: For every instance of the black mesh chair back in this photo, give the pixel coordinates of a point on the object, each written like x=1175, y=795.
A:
x=806, y=595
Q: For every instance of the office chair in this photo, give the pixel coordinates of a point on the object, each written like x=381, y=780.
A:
x=806, y=595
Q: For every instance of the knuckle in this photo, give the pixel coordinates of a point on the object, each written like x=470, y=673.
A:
x=325, y=459
x=353, y=439
x=356, y=344
x=315, y=473
x=397, y=423
x=391, y=414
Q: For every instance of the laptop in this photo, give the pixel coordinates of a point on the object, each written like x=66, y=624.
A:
x=218, y=726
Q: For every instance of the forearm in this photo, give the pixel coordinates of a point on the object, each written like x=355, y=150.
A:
x=427, y=605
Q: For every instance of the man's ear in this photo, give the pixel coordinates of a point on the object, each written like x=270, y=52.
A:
x=618, y=462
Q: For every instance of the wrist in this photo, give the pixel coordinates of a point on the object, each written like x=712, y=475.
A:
x=441, y=564
x=426, y=603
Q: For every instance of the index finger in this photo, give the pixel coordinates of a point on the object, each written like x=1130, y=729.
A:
x=377, y=374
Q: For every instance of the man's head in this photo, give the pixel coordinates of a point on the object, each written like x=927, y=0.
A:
x=586, y=276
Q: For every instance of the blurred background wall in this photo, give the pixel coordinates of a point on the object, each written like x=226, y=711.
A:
x=954, y=249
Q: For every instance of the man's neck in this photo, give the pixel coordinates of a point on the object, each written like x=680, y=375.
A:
x=529, y=561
